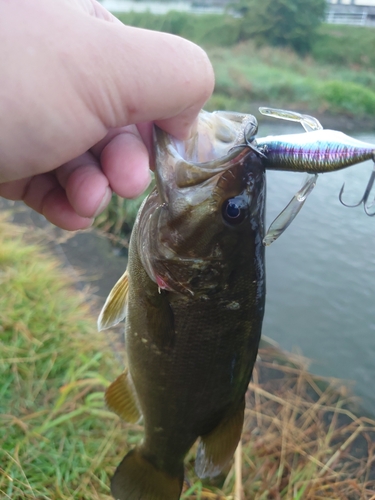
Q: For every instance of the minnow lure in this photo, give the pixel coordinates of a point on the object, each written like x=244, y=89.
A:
x=316, y=152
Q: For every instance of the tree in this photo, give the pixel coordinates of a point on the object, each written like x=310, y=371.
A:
x=281, y=22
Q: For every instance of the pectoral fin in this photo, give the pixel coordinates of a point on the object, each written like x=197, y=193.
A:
x=120, y=398
x=217, y=448
x=114, y=309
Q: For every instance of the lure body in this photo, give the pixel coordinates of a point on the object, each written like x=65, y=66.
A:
x=316, y=152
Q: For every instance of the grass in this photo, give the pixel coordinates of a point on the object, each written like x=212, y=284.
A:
x=205, y=29
x=57, y=440
x=280, y=78
x=347, y=46
x=302, y=437
x=336, y=77
x=338, y=45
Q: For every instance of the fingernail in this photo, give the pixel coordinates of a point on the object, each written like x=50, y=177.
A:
x=105, y=200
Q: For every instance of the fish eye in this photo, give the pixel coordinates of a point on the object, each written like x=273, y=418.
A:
x=234, y=211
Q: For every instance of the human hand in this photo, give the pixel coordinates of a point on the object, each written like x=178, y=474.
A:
x=79, y=94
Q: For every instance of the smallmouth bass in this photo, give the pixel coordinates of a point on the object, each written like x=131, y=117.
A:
x=193, y=295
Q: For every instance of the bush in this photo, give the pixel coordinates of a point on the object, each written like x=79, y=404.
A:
x=206, y=29
x=291, y=23
x=348, y=97
x=345, y=45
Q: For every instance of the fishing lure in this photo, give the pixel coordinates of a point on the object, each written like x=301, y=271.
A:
x=315, y=152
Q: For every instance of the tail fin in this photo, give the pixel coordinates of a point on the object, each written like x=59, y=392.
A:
x=136, y=478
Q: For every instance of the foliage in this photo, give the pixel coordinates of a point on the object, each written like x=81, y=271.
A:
x=119, y=216
x=291, y=23
x=336, y=77
x=348, y=97
x=57, y=440
x=278, y=77
x=205, y=29
x=347, y=46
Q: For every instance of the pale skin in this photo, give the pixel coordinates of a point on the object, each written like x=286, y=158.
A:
x=78, y=96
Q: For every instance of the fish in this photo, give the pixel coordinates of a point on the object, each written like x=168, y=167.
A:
x=193, y=296
x=193, y=293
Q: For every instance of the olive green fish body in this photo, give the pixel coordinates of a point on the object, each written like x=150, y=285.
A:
x=200, y=347
x=195, y=293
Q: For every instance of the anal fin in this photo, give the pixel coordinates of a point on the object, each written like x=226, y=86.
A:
x=120, y=398
x=114, y=309
x=217, y=448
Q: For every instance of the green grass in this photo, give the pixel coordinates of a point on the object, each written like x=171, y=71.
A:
x=58, y=441
x=337, y=77
x=280, y=78
x=347, y=46
x=205, y=29
x=338, y=45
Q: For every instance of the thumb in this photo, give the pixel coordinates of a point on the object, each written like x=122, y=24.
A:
x=143, y=76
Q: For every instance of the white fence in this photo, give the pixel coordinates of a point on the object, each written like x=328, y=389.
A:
x=359, y=19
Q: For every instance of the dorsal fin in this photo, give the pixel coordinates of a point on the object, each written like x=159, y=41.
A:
x=114, y=309
x=120, y=398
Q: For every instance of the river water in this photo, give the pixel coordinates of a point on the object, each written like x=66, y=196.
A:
x=321, y=276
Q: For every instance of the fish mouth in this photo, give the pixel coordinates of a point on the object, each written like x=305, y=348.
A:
x=215, y=137
x=220, y=140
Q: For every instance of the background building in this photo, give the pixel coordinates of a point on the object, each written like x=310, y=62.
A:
x=360, y=12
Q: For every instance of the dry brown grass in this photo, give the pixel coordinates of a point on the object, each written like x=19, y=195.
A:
x=302, y=438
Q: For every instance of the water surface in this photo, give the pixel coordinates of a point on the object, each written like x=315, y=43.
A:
x=321, y=276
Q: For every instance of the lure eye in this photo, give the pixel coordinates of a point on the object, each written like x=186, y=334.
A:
x=234, y=211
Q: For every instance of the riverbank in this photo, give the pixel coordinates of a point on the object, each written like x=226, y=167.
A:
x=335, y=79
x=304, y=436
x=279, y=78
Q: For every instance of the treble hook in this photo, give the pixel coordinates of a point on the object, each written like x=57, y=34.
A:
x=365, y=196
